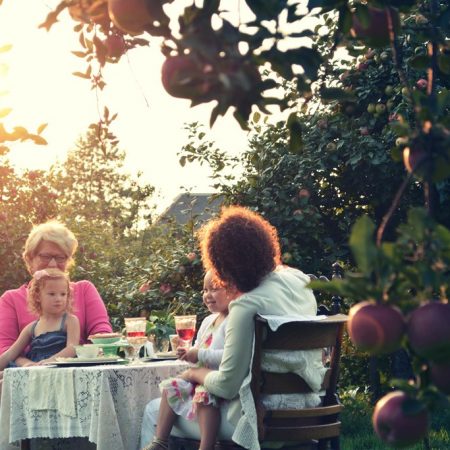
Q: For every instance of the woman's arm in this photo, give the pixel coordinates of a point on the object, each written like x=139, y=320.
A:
x=226, y=381
x=73, y=338
x=9, y=327
x=17, y=348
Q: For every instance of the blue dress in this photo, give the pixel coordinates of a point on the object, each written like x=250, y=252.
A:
x=47, y=344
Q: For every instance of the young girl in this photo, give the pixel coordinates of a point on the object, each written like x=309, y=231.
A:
x=57, y=331
x=182, y=398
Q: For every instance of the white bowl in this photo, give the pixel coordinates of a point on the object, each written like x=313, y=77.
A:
x=87, y=350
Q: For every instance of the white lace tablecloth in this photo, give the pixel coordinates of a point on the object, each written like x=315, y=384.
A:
x=108, y=403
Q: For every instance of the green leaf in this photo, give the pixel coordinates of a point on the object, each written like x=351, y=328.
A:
x=420, y=62
x=5, y=48
x=444, y=64
x=362, y=244
x=328, y=94
x=4, y=112
x=41, y=128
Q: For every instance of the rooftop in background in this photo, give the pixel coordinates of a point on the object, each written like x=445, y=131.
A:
x=197, y=207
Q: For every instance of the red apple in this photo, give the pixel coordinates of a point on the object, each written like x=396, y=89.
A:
x=440, y=376
x=191, y=256
x=115, y=45
x=364, y=131
x=144, y=288
x=429, y=331
x=182, y=77
x=304, y=193
x=394, y=425
x=376, y=33
x=165, y=288
x=362, y=66
x=376, y=328
x=421, y=84
x=129, y=16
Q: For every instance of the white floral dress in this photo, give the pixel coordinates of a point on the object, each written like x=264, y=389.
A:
x=184, y=396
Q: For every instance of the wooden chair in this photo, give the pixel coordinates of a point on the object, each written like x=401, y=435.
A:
x=314, y=427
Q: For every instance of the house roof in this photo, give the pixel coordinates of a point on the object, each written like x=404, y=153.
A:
x=198, y=207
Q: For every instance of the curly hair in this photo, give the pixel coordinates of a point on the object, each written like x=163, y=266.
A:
x=240, y=247
x=37, y=284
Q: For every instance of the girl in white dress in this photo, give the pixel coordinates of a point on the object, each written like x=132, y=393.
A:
x=190, y=400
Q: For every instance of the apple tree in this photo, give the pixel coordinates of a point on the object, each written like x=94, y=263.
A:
x=210, y=56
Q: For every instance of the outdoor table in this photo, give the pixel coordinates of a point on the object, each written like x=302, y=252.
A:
x=104, y=403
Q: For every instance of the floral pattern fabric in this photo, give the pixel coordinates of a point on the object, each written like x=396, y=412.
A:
x=184, y=396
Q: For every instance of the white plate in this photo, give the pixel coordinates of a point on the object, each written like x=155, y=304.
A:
x=84, y=361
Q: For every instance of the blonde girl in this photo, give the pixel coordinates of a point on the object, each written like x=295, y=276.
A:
x=57, y=330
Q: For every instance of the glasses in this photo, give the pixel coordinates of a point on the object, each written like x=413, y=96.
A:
x=45, y=257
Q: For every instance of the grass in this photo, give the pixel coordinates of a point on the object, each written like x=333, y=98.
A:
x=358, y=434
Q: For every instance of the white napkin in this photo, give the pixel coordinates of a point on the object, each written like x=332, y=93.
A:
x=51, y=388
x=275, y=322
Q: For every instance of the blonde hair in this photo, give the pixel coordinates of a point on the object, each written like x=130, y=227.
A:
x=51, y=231
x=37, y=284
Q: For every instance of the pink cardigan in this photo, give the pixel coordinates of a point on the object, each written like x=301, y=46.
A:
x=87, y=304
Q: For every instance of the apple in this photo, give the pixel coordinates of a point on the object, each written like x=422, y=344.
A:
x=376, y=328
x=370, y=54
x=297, y=212
x=129, y=16
x=165, y=288
x=364, y=131
x=331, y=146
x=304, y=193
x=421, y=19
x=376, y=33
x=394, y=425
x=390, y=105
x=370, y=108
x=440, y=376
x=362, y=66
x=405, y=91
x=144, y=287
x=422, y=84
x=115, y=45
x=183, y=78
x=389, y=90
x=380, y=108
x=428, y=329
x=191, y=256
x=385, y=56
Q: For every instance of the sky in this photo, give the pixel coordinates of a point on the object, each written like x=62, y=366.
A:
x=150, y=123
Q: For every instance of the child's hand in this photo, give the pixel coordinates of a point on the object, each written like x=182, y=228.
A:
x=43, y=362
x=191, y=355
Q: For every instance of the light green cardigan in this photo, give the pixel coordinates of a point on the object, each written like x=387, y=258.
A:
x=282, y=292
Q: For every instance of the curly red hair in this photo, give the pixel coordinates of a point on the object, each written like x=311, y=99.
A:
x=240, y=247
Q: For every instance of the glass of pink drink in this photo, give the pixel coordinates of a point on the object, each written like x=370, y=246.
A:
x=185, y=327
x=135, y=327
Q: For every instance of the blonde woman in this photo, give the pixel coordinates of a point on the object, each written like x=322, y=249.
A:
x=50, y=245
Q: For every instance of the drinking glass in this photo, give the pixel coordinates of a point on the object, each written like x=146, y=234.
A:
x=185, y=327
x=135, y=327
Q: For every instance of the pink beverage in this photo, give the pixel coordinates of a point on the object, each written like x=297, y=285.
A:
x=186, y=334
x=135, y=333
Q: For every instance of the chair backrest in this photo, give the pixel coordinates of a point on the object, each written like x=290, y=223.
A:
x=298, y=424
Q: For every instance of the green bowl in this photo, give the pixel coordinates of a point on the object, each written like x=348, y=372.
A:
x=106, y=340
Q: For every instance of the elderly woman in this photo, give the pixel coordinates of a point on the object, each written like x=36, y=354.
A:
x=242, y=250
x=50, y=244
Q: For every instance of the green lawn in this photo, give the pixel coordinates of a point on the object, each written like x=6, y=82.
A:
x=357, y=432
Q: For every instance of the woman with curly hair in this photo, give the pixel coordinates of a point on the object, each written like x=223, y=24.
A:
x=242, y=250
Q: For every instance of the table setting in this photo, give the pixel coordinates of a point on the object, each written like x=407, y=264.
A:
x=99, y=394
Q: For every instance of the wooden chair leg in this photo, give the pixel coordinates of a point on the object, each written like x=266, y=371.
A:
x=25, y=444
